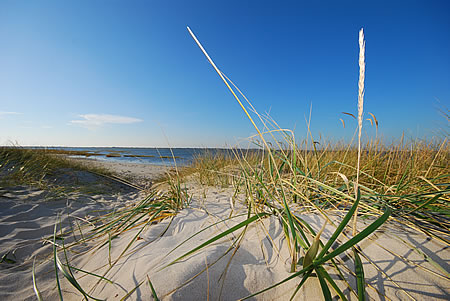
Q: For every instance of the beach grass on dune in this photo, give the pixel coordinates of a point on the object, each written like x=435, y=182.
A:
x=294, y=181
x=405, y=182
x=51, y=170
x=312, y=181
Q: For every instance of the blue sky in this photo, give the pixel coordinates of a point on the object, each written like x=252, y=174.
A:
x=127, y=73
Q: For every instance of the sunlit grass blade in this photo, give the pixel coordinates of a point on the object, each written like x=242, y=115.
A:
x=109, y=248
x=69, y=276
x=293, y=233
x=56, y=263
x=89, y=273
x=66, y=272
x=36, y=290
x=127, y=295
x=155, y=296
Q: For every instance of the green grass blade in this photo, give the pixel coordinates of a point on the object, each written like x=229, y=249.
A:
x=204, y=229
x=153, y=289
x=323, y=284
x=132, y=291
x=89, y=273
x=72, y=280
x=357, y=238
x=68, y=273
x=6, y=259
x=36, y=290
x=426, y=203
x=341, y=226
x=293, y=231
x=281, y=282
x=137, y=234
x=109, y=248
x=306, y=276
x=372, y=227
x=219, y=236
x=333, y=283
x=301, y=237
x=359, y=271
x=69, y=276
x=56, y=264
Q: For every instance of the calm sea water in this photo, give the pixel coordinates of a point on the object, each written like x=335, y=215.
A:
x=159, y=156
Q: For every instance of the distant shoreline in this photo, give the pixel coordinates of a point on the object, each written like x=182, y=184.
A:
x=155, y=156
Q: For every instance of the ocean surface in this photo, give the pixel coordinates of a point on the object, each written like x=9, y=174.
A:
x=158, y=156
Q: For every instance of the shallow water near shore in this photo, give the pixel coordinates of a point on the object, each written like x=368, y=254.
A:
x=157, y=156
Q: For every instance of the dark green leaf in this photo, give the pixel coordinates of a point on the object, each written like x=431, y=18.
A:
x=359, y=271
x=341, y=226
x=323, y=284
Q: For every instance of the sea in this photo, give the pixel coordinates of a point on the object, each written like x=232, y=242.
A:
x=157, y=156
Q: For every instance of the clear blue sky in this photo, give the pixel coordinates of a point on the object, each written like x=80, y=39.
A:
x=127, y=73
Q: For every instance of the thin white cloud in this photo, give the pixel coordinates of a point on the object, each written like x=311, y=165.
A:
x=3, y=113
x=97, y=120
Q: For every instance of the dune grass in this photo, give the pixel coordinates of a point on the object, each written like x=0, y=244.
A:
x=51, y=170
x=406, y=182
x=213, y=168
x=373, y=179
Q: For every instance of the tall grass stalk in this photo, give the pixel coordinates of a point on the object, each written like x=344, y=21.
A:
x=362, y=70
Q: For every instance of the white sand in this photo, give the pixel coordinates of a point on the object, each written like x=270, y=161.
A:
x=142, y=174
x=26, y=218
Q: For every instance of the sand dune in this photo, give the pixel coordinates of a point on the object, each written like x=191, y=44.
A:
x=262, y=259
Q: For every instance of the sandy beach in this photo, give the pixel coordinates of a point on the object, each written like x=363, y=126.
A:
x=138, y=173
x=221, y=271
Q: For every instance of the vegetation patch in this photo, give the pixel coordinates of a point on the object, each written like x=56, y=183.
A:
x=47, y=169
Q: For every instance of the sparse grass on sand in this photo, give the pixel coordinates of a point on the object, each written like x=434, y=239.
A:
x=406, y=183
x=52, y=171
